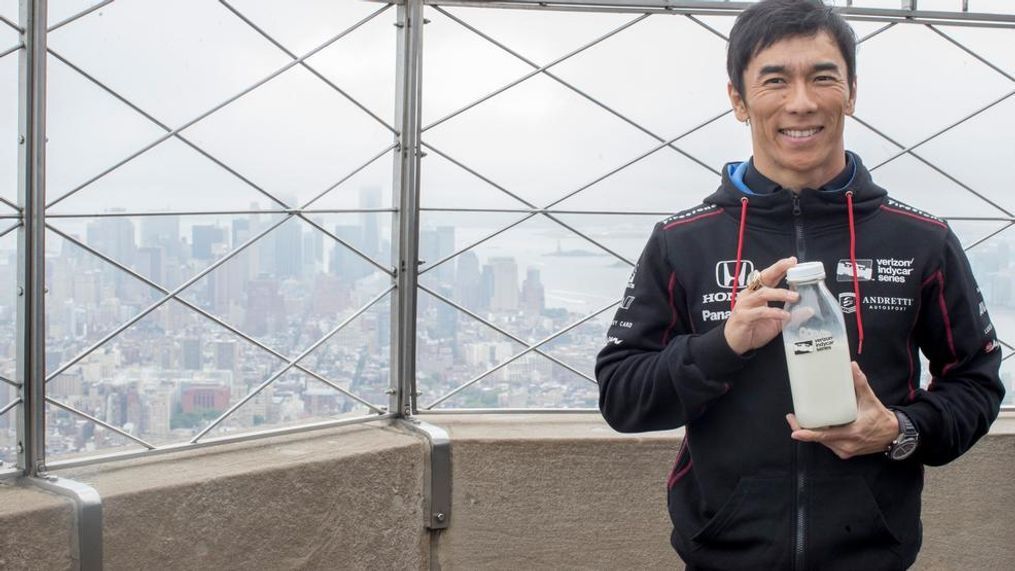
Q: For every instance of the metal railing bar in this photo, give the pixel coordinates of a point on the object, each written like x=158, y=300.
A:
x=139, y=214
x=707, y=27
x=389, y=271
x=543, y=210
x=524, y=352
x=350, y=175
x=10, y=405
x=591, y=240
x=312, y=70
x=10, y=229
x=502, y=331
x=10, y=23
x=476, y=174
x=723, y=9
x=208, y=315
x=962, y=47
x=172, y=295
x=11, y=50
x=569, y=195
x=165, y=127
x=639, y=158
x=4, y=379
x=185, y=446
x=934, y=167
x=10, y=216
x=453, y=255
x=580, y=92
x=101, y=423
x=453, y=411
x=989, y=236
x=877, y=32
x=937, y=134
x=13, y=205
x=236, y=406
x=535, y=72
x=216, y=108
x=79, y=15
x=215, y=160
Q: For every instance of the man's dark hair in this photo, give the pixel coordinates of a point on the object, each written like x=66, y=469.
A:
x=770, y=21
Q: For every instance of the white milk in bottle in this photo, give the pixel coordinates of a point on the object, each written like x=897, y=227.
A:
x=817, y=352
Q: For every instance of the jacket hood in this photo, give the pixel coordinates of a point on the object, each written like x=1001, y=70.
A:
x=820, y=208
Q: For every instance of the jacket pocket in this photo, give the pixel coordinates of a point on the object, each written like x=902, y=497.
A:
x=848, y=529
x=750, y=530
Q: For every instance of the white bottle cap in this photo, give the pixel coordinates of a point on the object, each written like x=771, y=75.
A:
x=806, y=272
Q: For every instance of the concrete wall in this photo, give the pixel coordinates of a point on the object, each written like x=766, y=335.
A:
x=529, y=491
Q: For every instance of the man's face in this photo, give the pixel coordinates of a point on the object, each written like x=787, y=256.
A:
x=797, y=96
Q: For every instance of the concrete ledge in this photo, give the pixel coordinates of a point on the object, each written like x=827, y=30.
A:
x=343, y=498
x=35, y=529
x=556, y=492
x=529, y=491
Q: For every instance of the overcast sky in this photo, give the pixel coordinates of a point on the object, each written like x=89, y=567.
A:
x=295, y=136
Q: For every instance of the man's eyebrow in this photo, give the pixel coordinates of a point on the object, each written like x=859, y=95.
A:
x=772, y=69
x=825, y=66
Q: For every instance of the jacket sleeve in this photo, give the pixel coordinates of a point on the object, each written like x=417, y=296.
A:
x=653, y=373
x=956, y=335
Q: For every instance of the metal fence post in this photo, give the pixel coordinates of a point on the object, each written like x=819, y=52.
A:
x=405, y=230
x=31, y=365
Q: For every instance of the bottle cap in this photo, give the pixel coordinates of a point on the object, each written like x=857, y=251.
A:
x=806, y=272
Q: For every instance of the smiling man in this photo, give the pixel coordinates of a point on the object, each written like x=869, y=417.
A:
x=699, y=344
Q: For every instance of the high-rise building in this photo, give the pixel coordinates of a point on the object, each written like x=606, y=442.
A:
x=533, y=294
x=162, y=231
x=504, y=271
x=469, y=285
x=370, y=197
x=113, y=236
x=204, y=239
x=265, y=308
x=345, y=263
x=288, y=240
x=191, y=353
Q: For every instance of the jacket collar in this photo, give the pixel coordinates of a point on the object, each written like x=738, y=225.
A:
x=819, y=209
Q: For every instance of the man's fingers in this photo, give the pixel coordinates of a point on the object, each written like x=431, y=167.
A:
x=754, y=314
x=860, y=384
x=773, y=274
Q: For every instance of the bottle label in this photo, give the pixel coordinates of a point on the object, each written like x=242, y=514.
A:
x=813, y=345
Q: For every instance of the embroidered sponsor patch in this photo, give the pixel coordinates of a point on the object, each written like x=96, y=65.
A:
x=864, y=270
x=893, y=270
x=707, y=315
x=726, y=272
x=847, y=302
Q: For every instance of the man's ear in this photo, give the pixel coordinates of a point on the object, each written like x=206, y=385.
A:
x=737, y=102
x=851, y=103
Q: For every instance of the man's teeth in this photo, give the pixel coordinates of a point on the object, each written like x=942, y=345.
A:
x=798, y=134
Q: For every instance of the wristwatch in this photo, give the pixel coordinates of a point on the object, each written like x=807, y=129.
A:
x=905, y=444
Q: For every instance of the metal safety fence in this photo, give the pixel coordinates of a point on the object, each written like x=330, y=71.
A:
x=376, y=272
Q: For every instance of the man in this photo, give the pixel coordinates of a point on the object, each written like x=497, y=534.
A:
x=697, y=344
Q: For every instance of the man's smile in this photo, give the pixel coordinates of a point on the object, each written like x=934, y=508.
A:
x=801, y=133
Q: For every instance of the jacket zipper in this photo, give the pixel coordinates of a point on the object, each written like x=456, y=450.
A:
x=801, y=475
x=798, y=225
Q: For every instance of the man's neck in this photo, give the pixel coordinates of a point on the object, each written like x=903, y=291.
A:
x=796, y=181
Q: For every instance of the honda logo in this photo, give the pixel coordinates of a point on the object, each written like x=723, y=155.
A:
x=726, y=272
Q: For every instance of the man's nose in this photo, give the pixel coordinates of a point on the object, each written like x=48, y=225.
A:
x=801, y=99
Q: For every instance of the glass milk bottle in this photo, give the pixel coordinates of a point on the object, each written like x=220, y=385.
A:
x=817, y=352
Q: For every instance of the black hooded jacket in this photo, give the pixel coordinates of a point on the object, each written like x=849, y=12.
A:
x=742, y=494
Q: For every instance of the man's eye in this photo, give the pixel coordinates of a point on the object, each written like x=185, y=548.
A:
x=825, y=78
x=774, y=81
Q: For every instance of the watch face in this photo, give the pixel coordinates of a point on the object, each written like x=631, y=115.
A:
x=902, y=450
